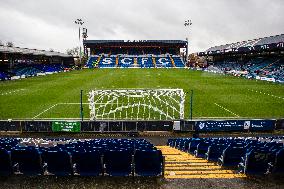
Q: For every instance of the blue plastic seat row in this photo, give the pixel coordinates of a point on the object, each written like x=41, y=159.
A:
x=114, y=157
x=249, y=155
x=91, y=163
x=131, y=61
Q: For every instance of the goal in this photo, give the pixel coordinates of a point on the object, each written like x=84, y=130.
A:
x=137, y=104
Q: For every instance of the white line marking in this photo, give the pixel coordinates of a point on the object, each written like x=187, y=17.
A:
x=266, y=94
x=11, y=92
x=61, y=118
x=221, y=118
x=71, y=103
x=45, y=111
x=226, y=109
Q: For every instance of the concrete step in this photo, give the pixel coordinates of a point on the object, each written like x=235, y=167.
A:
x=181, y=165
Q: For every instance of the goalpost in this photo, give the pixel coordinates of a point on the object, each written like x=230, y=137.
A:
x=137, y=104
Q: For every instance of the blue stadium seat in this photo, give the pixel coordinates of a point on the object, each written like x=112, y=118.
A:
x=88, y=163
x=148, y=162
x=202, y=149
x=107, y=62
x=92, y=61
x=118, y=162
x=171, y=142
x=177, y=142
x=125, y=62
x=59, y=163
x=193, y=145
x=178, y=61
x=184, y=145
x=28, y=161
x=6, y=167
x=163, y=62
x=145, y=62
x=255, y=162
x=277, y=167
x=231, y=156
x=214, y=152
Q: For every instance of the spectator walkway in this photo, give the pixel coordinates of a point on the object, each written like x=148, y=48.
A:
x=181, y=165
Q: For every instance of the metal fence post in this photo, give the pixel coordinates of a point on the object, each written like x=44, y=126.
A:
x=191, y=101
x=81, y=106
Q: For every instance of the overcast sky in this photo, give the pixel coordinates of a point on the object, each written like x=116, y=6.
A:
x=46, y=24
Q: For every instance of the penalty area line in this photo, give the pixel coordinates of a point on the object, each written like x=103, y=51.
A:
x=71, y=103
x=44, y=111
x=55, y=106
x=226, y=109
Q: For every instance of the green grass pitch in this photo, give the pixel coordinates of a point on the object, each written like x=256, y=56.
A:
x=215, y=96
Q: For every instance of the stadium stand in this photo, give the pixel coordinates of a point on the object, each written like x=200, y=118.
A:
x=260, y=59
x=139, y=54
x=85, y=157
x=260, y=44
x=24, y=71
x=141, y=61
x=3, y=76
x=251, y=155
x=269, y=69
x=16, y=62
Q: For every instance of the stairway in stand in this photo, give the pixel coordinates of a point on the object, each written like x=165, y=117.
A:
x=181, y=165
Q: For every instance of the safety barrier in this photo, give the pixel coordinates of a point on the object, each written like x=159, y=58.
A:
x=140, y=126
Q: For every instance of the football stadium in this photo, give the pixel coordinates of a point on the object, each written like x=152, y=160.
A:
x=134, y=113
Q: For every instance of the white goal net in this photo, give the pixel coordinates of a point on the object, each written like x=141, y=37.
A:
x=137, y=104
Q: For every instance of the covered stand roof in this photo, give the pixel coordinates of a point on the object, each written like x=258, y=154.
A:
x=260, y=44
x=134, y=43
x=35, y=52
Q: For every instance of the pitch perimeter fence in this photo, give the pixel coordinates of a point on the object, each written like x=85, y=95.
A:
x=140, y=126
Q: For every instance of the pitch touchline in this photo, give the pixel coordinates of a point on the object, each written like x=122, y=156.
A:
x=226, y=109
x=266, y=94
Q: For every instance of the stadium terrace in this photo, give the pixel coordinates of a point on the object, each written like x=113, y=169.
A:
x=135, y=54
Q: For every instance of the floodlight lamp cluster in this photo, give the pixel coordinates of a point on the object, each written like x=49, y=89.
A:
x=79, y=21
x=188, y=23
